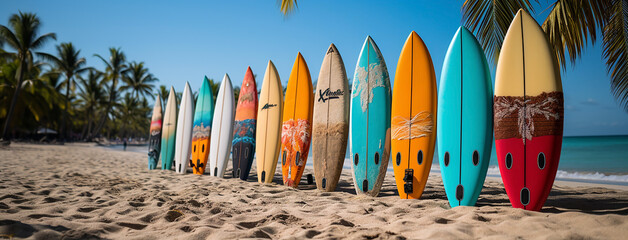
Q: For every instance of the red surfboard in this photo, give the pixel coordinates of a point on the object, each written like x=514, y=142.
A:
x=528, y=114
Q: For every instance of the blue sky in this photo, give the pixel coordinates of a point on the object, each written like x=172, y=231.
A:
x=186, y=40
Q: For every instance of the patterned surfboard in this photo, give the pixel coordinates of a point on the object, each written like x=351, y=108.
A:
x=243, y=142
x=296, y=130
x=528, y=114
x=203, y=115
x=331, y=121
x=370, y=120
x=154, y=140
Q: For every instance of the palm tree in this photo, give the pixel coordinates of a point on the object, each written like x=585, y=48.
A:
x=22, y=36
x=163, y=93
x=92, y=96
x=115, y=68
x=70, y=64
x=570, y=25
x=138, y=80
x=287, y=6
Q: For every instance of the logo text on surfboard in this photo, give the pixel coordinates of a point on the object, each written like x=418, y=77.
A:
x=328, y=94
x=268, y=106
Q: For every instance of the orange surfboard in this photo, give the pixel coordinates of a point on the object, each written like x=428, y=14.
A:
x=296, y=130
x=413, y=118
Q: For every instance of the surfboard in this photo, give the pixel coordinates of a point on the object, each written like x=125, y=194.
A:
x=184, y=131
x=465, y=120
x=528, y=114
x=220, y=147
x=268, y=132
x=370, y=120
x=203, y=115
x=413, y=118
x=154, y=140
x=168, y=131
x=296, y=128
x=243, y=149
x=331, y=121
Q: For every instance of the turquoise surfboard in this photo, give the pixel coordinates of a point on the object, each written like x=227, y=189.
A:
x=168, y=131
x=201, y=130
x=465, y=121
x=370, y=120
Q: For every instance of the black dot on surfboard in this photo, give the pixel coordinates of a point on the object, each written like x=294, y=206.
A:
x=476, y=158
x=398, y=161
x=283, y=158
x=459, y=192
x=203, y=148
x=194, y=148
x=365, y=185
x=263, y=176
x=446, y=159
x=508, y=161
x=238, y=173
x=355, y=159
x=216, y=171
x=525, y=196
x=376, y=158
x=298, y=159
x=540, y=160
x=419, y=157
x=324, y=182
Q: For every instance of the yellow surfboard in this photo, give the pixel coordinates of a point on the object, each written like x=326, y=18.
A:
x=296, y=130
x=268, y=125
x=413, y=118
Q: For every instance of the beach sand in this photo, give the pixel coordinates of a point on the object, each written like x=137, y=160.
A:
x=82, y=191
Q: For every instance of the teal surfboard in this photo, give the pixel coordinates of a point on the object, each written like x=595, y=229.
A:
x=168, y=131
x=465, y=121
x=201, y=130
x=370, y=120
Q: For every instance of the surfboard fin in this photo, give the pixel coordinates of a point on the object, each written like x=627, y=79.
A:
x=408, y=177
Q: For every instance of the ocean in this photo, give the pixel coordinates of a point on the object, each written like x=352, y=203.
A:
x=591, y=159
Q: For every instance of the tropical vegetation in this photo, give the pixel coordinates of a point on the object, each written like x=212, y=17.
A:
x=62, y=92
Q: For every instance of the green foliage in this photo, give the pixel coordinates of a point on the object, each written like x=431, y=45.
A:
x=48, y=90
x=569, y=27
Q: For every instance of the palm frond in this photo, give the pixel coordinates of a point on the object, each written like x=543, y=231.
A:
x=616, y=50
x=41, y=40
x=287, y=6
x=9, y=37
x=489, y=21
x=571, y=24
x=49, y=57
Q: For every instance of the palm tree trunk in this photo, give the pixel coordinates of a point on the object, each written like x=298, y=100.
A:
x=112, y=93
x=67, y=105
x=7, y=123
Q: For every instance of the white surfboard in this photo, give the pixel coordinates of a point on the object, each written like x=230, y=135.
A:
x=222, y=129
x=184, y=131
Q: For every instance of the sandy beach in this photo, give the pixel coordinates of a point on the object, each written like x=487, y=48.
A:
x=80, y=191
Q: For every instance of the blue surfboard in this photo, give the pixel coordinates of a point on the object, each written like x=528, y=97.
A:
x=465, y=121
x=370, y=120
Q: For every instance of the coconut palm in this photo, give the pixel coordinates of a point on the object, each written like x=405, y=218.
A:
x=163, y=93
x=138, y=80
x=70, y=64
x=38, y=98
x=287, y=6
x=22, y=36
x=570, y=26
x=115, y=68
x=92, y=97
